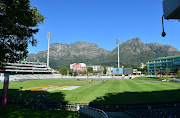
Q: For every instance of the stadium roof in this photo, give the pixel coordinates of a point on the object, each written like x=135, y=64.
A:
x=169, y=57
x=32, y=61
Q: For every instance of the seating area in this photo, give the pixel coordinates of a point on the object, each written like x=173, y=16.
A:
x=154, y=113
x=171, y=110
x=20, y=77
x=33, y=76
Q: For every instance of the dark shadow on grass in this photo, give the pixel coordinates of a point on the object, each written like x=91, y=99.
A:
x=53, y=101
x=35, y=96
x=154, y=78
x=16, y=112
x=131, y=98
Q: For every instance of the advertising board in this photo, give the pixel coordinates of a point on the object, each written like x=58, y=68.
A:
x=117, y=71
x=128, y=71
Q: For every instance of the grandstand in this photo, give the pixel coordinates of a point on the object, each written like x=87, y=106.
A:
x=27, y=67
x=19, y=77
x=166, y=110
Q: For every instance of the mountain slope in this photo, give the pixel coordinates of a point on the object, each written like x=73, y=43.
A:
x=132, y=52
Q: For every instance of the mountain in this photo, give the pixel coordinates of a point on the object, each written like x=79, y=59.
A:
x=132, y=52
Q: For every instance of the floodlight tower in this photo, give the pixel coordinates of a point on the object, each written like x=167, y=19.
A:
x=118, y=42
x=49, y=38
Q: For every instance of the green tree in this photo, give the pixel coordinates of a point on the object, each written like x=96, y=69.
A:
x=75, y=73
x=140, y=69
x=70, y=71
x=84, y=72
x=145, y=68
x=104, y=70
x=63, y=71
x=178, y=73
x=167, y=71
x=156, y=74
x=18, y=24
x=145, y=72
x=90, y=69
x=127, y=66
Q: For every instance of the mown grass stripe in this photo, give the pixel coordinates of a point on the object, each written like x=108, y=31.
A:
x=116, y=91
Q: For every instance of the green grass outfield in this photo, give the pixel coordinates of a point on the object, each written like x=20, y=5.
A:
x=156, y=78
x=110, y=92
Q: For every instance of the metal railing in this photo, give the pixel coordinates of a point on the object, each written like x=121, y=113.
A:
x=93, y=112
x=99, y=110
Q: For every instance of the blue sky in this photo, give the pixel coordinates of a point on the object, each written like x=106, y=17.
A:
x=102, y=21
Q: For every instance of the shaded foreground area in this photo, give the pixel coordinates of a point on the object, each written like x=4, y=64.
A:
x=36, y=99
x=36, y=104
x=35, y=95
x=155, y=104
x=154, y=97
x=15, y=112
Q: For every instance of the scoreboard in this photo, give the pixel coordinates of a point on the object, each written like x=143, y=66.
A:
x=117, y=71
x=120, y=71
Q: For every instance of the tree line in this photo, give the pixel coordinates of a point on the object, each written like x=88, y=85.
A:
x=65, y=71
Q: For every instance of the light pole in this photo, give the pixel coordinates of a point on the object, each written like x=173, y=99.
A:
x=49, y=38
x=118, y=42
x=76, y=69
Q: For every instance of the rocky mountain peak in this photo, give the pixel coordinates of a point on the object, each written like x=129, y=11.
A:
x=81, y=44
x=132, y=47
x=134, y=40
x=132, y=52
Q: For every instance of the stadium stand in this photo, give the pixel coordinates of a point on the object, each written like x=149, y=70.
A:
x=144, y=111
x=26, y=67
x=19, y=77
x=155, y=113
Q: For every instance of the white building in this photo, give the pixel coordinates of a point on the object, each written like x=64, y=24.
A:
x=109, y=70
x=97, y=68
x=142, y=65
x=101, y=68
x=135, y=71
x=77, y=66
